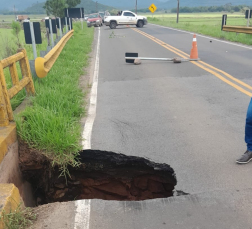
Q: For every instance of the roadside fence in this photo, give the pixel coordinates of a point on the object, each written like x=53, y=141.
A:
x=6, y=113
x=236, y=29
x=44, y=64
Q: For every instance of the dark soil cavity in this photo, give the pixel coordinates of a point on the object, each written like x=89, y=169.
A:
x=102, y=175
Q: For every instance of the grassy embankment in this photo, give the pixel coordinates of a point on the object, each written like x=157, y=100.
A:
x=52, y=123
x=204, y=23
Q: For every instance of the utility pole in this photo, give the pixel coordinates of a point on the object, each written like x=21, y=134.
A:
x=178, y=12
x=96, y=5
x=15, y=12
x=136, y=6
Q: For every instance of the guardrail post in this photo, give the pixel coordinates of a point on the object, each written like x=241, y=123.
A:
x=60, y=27
x=248, y=18
x=4, y=120
x=51, y=32
x=25, y=69
x=224, y=20
x=33, y=41
x=70, y=24
x=5, y=102
x=66, y=25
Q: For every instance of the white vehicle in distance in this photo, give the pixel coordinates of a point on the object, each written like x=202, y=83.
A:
x=125, y=18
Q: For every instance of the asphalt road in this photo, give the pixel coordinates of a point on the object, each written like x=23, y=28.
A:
x=189, y=115
x=179, y=114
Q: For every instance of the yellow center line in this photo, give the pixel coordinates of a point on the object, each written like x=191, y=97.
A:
x=200, y=65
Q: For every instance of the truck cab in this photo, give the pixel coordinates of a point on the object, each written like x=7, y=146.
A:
x=125, y=18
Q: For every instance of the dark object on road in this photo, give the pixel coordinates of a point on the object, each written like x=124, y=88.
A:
x=176, y=60
x=137, y=61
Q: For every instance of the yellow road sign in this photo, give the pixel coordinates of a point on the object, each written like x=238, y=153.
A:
x=152, y=8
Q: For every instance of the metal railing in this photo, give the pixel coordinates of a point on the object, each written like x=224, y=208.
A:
x=237, y=29
x=44, y=64
x=6, y=113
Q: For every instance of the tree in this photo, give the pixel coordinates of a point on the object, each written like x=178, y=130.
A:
x=16, y=28
x=72, y=3
x=56, y=7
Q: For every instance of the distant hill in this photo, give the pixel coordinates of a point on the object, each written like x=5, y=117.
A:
x=189, y=3
x=37, y=8
x=88, y=5
x=20, y=5
x=168, y=4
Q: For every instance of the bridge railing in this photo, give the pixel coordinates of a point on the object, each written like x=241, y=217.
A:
x=6, y=113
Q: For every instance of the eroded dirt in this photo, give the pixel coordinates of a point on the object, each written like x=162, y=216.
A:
x=101, y=175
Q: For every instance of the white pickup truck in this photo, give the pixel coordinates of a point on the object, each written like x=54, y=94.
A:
x=125, y=18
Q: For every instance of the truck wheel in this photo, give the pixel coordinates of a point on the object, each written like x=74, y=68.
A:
x=140, y=24
x=112, y=25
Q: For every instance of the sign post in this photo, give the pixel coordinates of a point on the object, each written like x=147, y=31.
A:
x=248, y=18
x=33, y=40
x=66, y=25
x=152, y=8
x=81, y=18
x=60, y=27
x=70, y=25
x=51, y=32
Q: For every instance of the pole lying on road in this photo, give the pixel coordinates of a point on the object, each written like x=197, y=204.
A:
x=131, y=57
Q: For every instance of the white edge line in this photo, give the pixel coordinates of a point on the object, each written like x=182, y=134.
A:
x=208, y=37
x=82, y=216
x=87, y=132
x=83, y=207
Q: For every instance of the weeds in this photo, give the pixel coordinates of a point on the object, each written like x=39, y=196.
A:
x=16, y=28
x=112, y=35
x=18, y=219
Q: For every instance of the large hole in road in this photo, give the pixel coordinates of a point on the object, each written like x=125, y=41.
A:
x=101, y=175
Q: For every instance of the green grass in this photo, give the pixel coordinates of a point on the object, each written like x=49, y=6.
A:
x=18, y=219
x=207, y=24
x=52, y=123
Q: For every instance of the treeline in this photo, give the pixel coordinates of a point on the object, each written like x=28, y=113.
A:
x=227, y=8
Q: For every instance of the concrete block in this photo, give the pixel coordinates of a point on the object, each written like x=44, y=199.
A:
x=8, y=136
x=9, y=199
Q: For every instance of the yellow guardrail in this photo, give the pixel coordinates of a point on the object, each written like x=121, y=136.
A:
x=6, y=113
x=44, y=64
x=237, y=29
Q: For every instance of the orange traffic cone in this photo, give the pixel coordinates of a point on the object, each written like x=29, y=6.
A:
x=194, y=50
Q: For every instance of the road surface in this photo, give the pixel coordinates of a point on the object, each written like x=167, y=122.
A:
x=189, y=115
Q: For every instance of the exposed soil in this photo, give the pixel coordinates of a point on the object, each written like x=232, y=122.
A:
x=101, y=175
